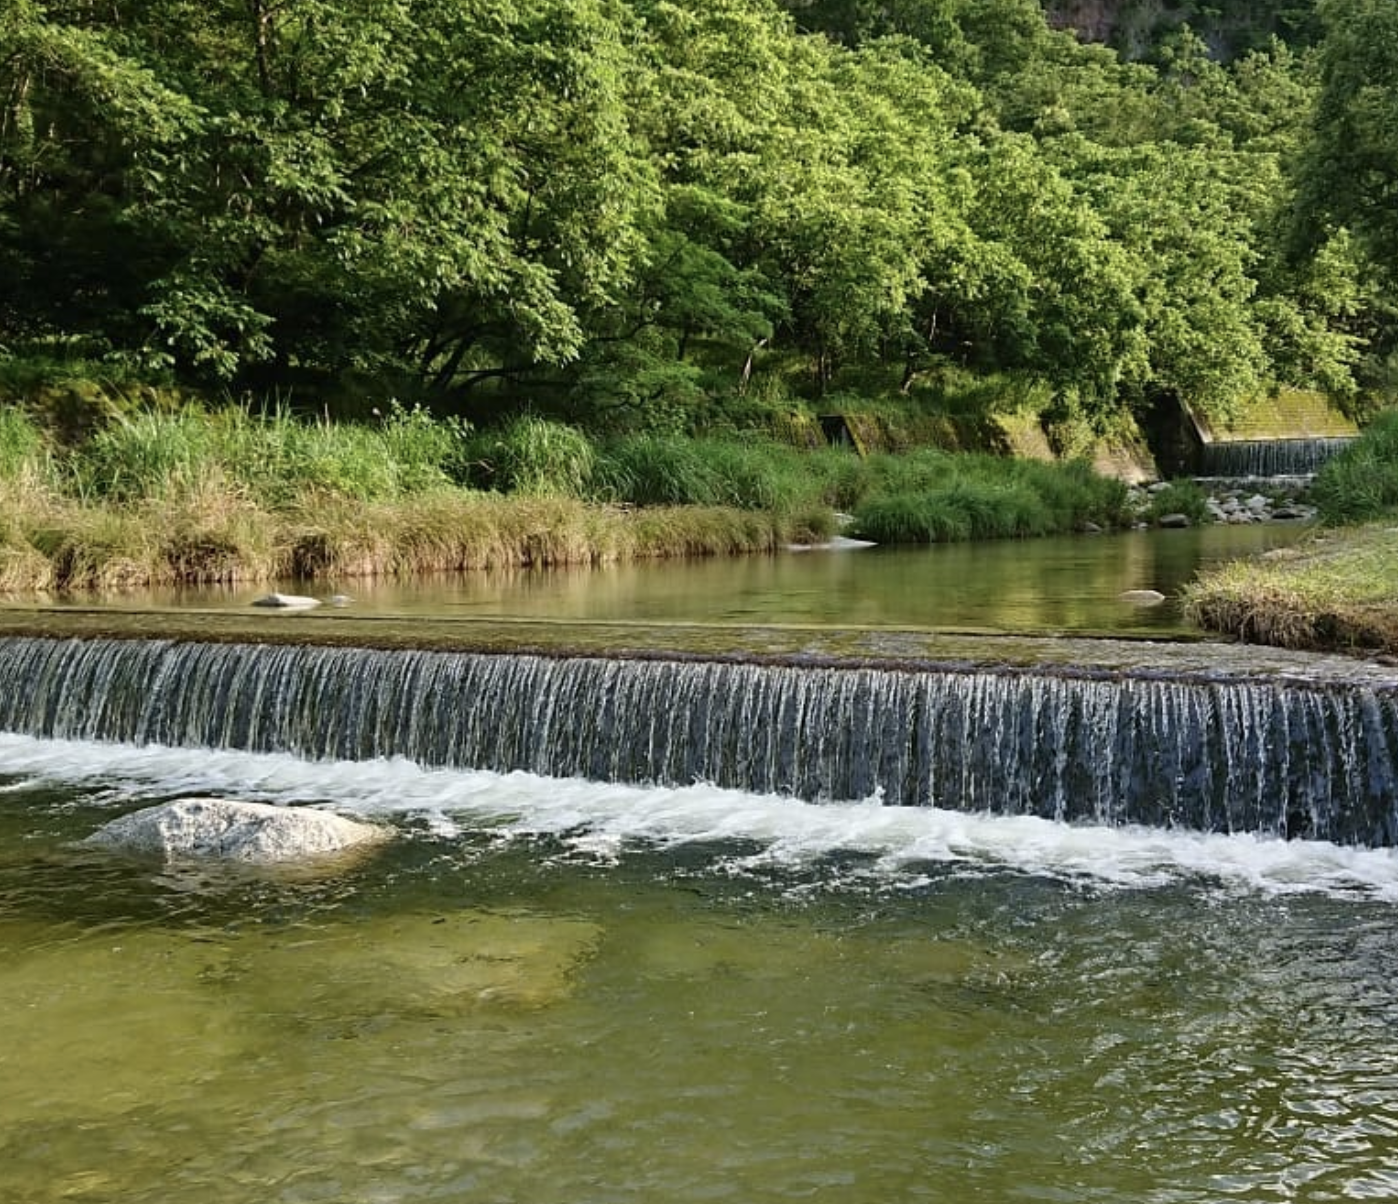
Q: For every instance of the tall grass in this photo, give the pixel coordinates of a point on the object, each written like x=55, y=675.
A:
x=148, y=456
x=750, y=474
x=187, y=495
x=1361, y=482
x=535, y=457
x=24, y=457
x=276, y=459
x=939, y=498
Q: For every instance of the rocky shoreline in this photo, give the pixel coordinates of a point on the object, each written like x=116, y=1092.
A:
x=1238, y=501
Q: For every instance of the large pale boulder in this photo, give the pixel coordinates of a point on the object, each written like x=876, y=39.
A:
x=229, y=830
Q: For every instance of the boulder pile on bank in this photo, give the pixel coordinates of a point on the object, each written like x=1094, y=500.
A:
x=1237, y=502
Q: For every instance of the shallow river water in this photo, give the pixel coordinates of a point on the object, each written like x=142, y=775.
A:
x=558, y=991
x=562, y=992
x=1071, y=583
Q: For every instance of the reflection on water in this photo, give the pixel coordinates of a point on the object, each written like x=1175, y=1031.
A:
x=563, y=993
x=1071, y=584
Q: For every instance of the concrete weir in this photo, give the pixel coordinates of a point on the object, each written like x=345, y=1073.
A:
x=1199, y=736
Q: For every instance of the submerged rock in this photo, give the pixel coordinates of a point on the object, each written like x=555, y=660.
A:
x=434, y=964
x=1142, y=597
x=286, y=601
x=228, y=830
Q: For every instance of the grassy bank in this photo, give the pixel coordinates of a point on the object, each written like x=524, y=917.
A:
x=190, y=495
x=1336, y=591
x=1339, y=589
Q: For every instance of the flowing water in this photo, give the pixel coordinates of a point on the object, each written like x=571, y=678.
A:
x=555, y=990
x=1269, y=457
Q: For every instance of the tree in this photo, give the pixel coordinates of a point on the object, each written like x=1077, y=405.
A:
x=1350, y=174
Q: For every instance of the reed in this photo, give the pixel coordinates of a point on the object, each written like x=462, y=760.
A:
x=184, y=495
x=532, y=456
x=23, y=567
x=25, y=461
x=147, y=456
x=656, y=470
x=100, y=549
x=939, y=498
x=703, y=531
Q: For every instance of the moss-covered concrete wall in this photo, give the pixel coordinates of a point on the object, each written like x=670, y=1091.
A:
x=1286, y=414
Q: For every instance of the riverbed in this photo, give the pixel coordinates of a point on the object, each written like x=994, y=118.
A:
x=554, y=991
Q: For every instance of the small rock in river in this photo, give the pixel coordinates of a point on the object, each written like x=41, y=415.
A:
x=1142, y=597
x=286, y=601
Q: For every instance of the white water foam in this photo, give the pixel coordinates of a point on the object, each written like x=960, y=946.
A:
x=601, y=820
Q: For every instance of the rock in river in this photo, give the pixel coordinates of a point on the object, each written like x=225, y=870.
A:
x=229, y=830
x=286, y=601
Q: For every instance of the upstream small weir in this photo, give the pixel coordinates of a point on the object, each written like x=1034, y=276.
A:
x=1268, y=457
x=1216, y=752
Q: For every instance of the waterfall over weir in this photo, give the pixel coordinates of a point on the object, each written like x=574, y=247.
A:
x=1274, y=757
x=1268, y=457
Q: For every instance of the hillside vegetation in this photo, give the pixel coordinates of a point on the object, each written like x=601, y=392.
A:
x=676, y=215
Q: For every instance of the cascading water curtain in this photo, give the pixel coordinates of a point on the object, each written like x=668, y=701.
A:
x=1284, y=758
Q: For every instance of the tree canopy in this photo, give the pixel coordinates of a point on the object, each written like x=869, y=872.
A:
x=622, y=209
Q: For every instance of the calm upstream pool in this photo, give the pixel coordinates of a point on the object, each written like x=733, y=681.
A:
x=557, y=992
x=1071, y=584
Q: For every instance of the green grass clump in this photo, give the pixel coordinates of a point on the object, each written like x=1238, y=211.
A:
x=533, y=456
x=756, y=473
x=1360, y=483
x=941, y=498
x=703, y=531
x=1179, y=497
x=24, y=458
x=655, y=470
x=277, y=459
x=1071, y=493
x=148, y=456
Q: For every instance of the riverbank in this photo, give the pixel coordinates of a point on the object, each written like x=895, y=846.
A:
x=1335, y=591
x=200, y=496
x=67, y=547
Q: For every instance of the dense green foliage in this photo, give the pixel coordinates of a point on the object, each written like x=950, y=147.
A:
x=1360, y=484
x=652, y=215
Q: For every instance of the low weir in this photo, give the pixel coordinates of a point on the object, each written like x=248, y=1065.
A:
x=1268, y=457
x=1214, y=752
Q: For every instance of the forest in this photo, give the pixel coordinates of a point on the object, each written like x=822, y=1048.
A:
x=670, y=216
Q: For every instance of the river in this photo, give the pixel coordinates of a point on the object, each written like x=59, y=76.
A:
x=557, y=991
x=1071, y=583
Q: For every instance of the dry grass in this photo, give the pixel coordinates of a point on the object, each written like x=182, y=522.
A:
x=212, y=534
x=1336, y=591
